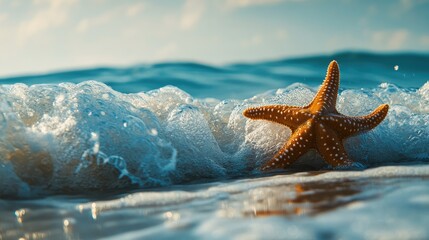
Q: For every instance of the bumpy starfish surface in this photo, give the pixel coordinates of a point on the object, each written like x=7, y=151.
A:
x=317, y=126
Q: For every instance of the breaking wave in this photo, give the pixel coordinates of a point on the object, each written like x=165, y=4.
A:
x=74, y=138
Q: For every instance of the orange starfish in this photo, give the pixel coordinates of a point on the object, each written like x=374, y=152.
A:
x=317, y=126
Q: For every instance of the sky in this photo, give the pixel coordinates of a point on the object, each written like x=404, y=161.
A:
x=38, y=36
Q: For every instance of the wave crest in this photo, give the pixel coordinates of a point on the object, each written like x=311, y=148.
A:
x=86, y=137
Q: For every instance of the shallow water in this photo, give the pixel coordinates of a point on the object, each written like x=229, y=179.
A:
x=83, y=160
x=379, y=203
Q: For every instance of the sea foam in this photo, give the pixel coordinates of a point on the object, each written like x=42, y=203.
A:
x=69, y=138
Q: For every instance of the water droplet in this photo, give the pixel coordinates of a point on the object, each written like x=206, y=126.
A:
x=66, y=223
x=20, y=212
x=153, y=132
x=94, y=136
x=94, y=211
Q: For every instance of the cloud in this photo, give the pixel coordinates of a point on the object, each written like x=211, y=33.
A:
x=390, y=40
x=129, y=10
x=191, y=14
x=52, y=14
x=231, y=4
x=85, y=24
x=135, y=9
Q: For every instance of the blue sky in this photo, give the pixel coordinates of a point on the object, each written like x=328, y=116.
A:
x=46, y=35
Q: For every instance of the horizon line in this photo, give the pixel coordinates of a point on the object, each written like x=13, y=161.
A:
x=208, y=64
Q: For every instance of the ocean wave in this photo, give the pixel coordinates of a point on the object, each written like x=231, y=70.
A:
x=76, y=138
x=244, y=80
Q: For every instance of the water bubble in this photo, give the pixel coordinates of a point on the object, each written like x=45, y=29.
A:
x=396, y=67
x=60, y=98
x=68, y=222
x=94, y=136
x=153, y=132
x=94, y=211
x=68, y=225
x=171, y=216
x=20, y=214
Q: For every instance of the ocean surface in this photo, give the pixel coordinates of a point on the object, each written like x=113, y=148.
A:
x=162, y=151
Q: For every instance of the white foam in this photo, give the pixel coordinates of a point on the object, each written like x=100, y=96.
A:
x=382, y=202
x=165, y=136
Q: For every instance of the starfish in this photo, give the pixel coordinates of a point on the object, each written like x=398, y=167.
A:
x=317, y=126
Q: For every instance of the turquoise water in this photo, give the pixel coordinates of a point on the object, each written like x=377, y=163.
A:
x=163, y=150
x=359, y=70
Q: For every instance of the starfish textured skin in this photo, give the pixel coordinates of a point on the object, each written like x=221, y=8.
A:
x=317, y=126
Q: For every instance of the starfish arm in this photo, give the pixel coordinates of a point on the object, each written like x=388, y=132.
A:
x=326, y=97
x=298, y=144
x=349, y=126
x=286, y=115
x=330, y=146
